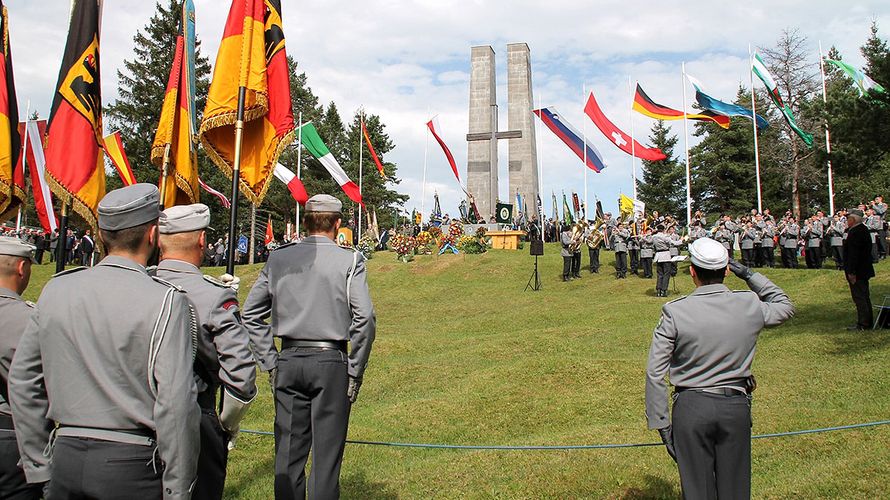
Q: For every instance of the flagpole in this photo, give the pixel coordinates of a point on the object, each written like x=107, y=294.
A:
x=756, y=145
x=633, y=146
x=827, y=134
x=251, y=248
x=18, y=219
x=540, y=159
x=584, y=135
x=299, y=167
x=164, y=168
x=236, y=175
x=62, y=241
x=686, y=143
x=426, y=145
x=361, y=118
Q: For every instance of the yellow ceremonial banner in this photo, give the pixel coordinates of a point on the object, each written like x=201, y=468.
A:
x=174, y=146
x=625, y=206
x=251, y=56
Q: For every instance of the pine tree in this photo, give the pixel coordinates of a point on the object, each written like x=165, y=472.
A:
x=663, y=186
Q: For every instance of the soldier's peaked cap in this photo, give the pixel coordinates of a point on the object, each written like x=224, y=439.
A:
x=15, y=247
x=184, y=219
x=324, y=203
x=707, y=253
x=129, y=206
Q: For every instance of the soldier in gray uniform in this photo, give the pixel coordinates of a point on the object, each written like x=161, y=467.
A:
x=224, y=362
x=619, y=244
x=316, y=294
x=836, y=235
x=697, y=231
x=790, y=233
x=880, y=209
x=705, y=344
x=647, y=252
x=676, y=243
x=633, y=247
x=15, y=273
x=812, y=234
x=768, y=243
x=746, y=244
x=874, y=225
x=568, y=257
x=662, y=244
x=108, y=359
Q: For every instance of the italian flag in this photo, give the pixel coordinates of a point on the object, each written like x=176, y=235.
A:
x=313, y=143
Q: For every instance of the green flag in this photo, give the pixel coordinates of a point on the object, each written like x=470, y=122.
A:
x=504, y=213
x=862, y=81
x=759, y=69
x=567, y=216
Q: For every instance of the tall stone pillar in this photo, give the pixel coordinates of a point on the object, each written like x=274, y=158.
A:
x=482, y=155
x=523, y=152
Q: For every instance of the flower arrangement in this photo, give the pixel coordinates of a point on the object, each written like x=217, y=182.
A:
x=450, y=241
x=403, y=246
x=477, y=243
x=424, y=243
x=366, y=246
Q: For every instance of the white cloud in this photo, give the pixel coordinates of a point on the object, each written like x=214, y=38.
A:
x=405, y=60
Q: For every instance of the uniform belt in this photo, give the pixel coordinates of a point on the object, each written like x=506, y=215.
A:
x=6, y=422
x=722, y=391
x=142, y=438
x=314, y=344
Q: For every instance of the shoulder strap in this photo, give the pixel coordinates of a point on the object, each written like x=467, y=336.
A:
x=351, y=275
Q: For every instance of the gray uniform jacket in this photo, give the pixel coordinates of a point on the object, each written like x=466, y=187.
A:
x=725, y=237
x=663, y=244
x=837, y=233
x=96, y=357
x=312, y=290
x=746, y=239
x=697, y=233
x=874, y=224
x=223, y=353
x=708, y=339
x=676, y=243
x=813, y=235
x=768, y=232
x=792, y=232
x=619, y=240
x=647, y=246
x=880, y=209
x=565, y=238
x=14, y=312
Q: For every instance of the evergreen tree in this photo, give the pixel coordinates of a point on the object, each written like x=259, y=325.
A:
x=663, y=186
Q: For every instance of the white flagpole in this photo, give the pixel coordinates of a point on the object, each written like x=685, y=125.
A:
x=426, y=145
x=686, y=143
x=299, y=168
x=584, y=134
x=540, y=168
x=827, y=135
x=361, y=119
x=633, y=146
x=754, y=124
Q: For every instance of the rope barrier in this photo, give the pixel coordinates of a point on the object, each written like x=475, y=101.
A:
x=580, y=446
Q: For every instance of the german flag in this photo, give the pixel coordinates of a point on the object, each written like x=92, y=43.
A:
x=174, y=147
x=643, y=104
x=114, y=149
x=12, y=193
x=252, y=56
x=74, y=165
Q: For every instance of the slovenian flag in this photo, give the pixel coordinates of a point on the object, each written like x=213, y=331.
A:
x=722, y=108
x=759, y=69
x=313, y=143
x=570, y=136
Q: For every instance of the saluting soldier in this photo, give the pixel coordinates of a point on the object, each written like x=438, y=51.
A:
x=619, y=244
x=705, y=344
x=224, y=362
x=107, y=362
x=15, y=273
x=316, y=294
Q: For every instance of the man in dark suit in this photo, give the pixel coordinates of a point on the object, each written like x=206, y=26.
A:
x=858, y=268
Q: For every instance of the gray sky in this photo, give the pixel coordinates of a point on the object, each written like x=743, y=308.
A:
x=406, y=60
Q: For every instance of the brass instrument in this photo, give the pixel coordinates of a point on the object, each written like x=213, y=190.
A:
x=577, y=236
x=595, y=239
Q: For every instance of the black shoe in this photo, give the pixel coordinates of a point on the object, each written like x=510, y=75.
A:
x=854, y=328
x=565, y=278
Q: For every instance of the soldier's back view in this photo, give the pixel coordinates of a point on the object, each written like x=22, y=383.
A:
x=109, y=361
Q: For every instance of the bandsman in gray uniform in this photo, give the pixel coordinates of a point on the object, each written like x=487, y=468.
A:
x=316, y=294
x=812, y=234
x=746, y=243
x=874, y=225
x=15, y=273
x=107, y=362
x=697, y=231
x=647, y=252
x=705, y=344
x=224, y=363
x=790, y=232
x=836, y=235
x=880, y=209
x=662, y=243
x=593, y=251
x=768, y=243
x=676, y=243
x=619, y=244
x=633, y=246
x=568, y=257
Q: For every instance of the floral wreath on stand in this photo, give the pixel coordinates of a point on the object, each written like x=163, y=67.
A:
x=423, y=243
x=403, y=246
x=450, y=241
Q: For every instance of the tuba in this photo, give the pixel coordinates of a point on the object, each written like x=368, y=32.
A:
x=595, y=239
x=577, y=237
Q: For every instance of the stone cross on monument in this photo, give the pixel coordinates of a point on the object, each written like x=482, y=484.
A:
x=483, y=136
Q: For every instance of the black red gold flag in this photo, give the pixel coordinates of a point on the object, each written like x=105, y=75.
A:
x=12, y=193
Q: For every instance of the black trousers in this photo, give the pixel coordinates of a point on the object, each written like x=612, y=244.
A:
x=311, y=412
x=758, y=255
x=712, y=438
x=212, y=459
x=647, y=266
x=621, y=264
x=838, y=253
x=594, y=254
x=814, y=257
x=789, y=258
x=768, y=256
x=664, y=275
x=882, y=243
x=576, y=264
x=634, y=260
x=12, y=478
x=862, y=300
x=748, y=257
x=86, y=468
x=567, y=263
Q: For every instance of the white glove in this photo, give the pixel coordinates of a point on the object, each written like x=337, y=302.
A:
x=232, y=282
x=233, y=411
